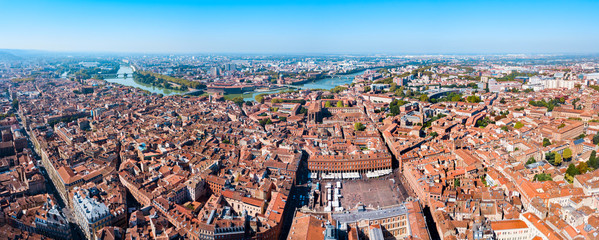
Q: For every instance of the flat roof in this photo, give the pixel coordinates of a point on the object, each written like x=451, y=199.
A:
x=356, y=216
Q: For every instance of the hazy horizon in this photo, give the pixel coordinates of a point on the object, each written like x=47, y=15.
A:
x=301, y=53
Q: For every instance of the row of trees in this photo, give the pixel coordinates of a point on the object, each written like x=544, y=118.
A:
x=450, y=97
x=338, y=89
x=159, y=79
x=281, y=100
x=328, y=104
x=513, y=75
x=548, y=104
x=150, y=79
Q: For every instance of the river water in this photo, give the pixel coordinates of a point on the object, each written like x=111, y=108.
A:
x=128, y=81
x=326, y=83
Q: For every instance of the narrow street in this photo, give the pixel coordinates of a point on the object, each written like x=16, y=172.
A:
x=50, y=188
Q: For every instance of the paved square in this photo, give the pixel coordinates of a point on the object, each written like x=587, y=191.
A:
x=372, y=193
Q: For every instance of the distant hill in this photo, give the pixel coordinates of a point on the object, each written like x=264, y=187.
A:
x=6, y=56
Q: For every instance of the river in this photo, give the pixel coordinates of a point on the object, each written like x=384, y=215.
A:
x=325, y=83
x=128, y=81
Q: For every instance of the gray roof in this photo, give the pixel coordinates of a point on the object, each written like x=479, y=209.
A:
x=92, y=209
x=370, y=215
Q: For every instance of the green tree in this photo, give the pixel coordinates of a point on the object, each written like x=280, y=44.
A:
x=567, y=154
x=238, y=100
x=303, y=110
x=473, y=99
x=550, y=157
x=15, y=104
x=483, y=179
x=558, y=159
x=327, y=104
x=541, y=177
x=596, y=139
x=259, y=98
x=359, y=126
x=531, y=160
x=581, y=136
x=339, y=103
x=546, y=142
x=400, y=92
x=572, y=170
x=338, y=89
x=434, y=134
x=582, y=167
x=367, y=89
x=593, y=162
x=484, y=122
x=394, y=106
x=456, y=182
x=518, y=125
x=455, y=97
x=265, y=121
x=424, y=98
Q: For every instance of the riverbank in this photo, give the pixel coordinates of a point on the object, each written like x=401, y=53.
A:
x=355, y=72
x=327, y=82
x=128, y=80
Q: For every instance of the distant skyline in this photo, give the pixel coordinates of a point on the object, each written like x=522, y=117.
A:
x=328, y=27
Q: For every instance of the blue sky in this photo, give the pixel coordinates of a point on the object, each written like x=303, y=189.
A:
x=389, y=27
